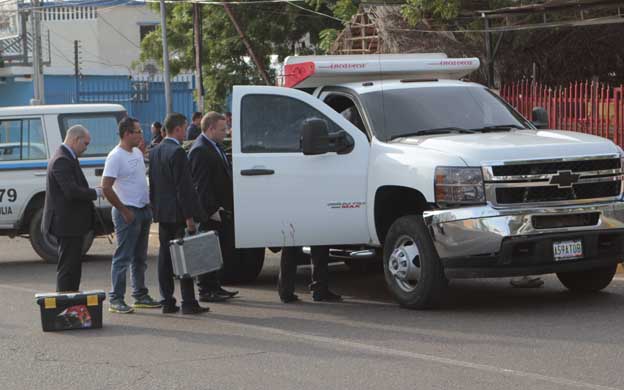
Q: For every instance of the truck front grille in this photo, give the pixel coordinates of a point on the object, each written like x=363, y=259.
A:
x=554, y=182
x=554, y=167
x=554, y=194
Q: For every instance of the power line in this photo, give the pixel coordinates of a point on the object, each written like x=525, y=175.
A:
x=316, y=12
x=90, y=53
x=60, y=53
x=119, y=32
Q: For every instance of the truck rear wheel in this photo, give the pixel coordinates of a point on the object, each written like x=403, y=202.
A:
x=243, y=266
x=45, y=244
x=412, y=269
x=588, y=281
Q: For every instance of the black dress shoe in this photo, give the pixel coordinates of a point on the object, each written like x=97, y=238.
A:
x=226, y=293
x=213, y=296
x=325, y=296
x=194, y=309
x=289, y=298
x=170, y=308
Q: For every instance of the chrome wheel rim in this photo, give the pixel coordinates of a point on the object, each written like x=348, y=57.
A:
x=404, y=264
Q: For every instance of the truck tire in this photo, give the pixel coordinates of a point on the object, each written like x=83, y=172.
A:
x=412, y=269
x=243, y=266
x=46, y=245
x=588, y=281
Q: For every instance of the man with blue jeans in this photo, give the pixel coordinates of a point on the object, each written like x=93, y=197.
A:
x=125, y=185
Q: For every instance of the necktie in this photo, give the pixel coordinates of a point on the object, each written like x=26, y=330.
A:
x=223, y=156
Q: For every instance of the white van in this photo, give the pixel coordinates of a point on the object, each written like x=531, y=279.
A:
x=29, y=136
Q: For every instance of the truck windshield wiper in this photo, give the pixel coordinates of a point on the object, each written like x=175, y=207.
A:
x=498, y=128
x=439, y=130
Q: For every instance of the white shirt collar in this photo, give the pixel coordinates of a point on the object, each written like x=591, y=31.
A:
x=173, y=139
x=70, y=150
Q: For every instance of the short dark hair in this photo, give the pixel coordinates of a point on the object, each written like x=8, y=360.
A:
x=174, y=120
x=157, y=125
x=196, y=116
x=126, y=125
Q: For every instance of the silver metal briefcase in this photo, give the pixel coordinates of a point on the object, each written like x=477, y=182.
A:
x=196, y=255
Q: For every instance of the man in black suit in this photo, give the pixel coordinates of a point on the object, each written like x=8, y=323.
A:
x=68, y=210
x=194, y=130
x=212, y=176
x=174, y=202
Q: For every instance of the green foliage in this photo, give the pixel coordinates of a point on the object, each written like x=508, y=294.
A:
x=415, y=11
x=272, y=29
x=327, y=38
x=341, y=9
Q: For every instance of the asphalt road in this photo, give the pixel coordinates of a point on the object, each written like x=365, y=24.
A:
x=487, y=335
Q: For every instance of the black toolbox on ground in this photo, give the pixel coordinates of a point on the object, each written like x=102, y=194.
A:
x=71, y=310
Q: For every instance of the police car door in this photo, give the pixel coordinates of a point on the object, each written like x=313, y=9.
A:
x=283, y=197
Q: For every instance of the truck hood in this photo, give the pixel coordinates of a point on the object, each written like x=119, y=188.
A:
x=486, y=148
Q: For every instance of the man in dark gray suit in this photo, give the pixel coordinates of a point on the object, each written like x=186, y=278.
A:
x=212, y=176
x=68, y=210
x=174, y=202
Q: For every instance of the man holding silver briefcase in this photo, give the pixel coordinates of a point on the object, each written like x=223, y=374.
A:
x=174, y=202
x=212, y=177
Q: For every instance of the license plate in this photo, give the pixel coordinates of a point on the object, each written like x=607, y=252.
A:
x=567, y=250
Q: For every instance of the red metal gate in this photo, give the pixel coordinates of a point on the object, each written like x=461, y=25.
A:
x=587, y=107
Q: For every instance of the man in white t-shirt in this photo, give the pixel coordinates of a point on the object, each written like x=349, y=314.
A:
x=125, y=186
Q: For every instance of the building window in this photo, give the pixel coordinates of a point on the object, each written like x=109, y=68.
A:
x=145, y=29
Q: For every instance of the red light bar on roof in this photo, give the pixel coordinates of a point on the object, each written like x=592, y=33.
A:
x=315, y=71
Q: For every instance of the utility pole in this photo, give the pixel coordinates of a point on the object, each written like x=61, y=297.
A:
x=197, y=32
x=167, y=81
x=255, y=59
x=37, y=76
x=489, y=57
x=76, y=73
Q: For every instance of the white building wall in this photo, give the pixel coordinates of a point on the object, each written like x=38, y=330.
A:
x=109, y=37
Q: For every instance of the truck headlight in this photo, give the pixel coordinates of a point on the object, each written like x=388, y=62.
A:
x=459, y=185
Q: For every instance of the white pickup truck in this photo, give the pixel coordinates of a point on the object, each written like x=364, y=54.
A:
x=394, y=152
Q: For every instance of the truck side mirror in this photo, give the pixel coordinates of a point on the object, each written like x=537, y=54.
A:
x=539, y=117
x=314, y=137
x=341, y=142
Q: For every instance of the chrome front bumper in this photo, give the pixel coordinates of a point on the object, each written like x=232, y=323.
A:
x=480, y=231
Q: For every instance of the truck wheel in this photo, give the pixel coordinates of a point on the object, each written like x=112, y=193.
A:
x=46, y=245
x=588, y=281
x=413, y=271
x=243, y=266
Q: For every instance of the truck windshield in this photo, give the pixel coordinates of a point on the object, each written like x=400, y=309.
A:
x=416, y=111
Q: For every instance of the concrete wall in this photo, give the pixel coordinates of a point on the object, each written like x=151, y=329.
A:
x=109, y=39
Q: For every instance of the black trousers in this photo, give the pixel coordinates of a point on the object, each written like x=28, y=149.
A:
x=166, y=233
x=319, y=258
x=212, y=280
x=69, y=267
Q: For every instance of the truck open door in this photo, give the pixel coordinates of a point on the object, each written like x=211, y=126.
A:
x=283, y=197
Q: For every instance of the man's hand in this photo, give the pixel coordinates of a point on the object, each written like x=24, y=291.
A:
x=127, y=215
x=100, y=192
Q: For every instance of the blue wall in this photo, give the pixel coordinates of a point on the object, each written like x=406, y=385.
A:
x=143, y=98
x=14, y=93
